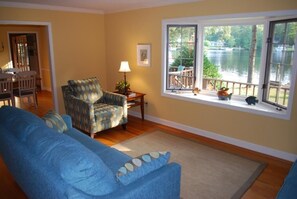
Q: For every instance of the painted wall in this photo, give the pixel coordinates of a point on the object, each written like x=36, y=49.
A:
x=124, y=30
x=78, y=43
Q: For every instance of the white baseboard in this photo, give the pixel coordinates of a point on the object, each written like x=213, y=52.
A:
x=237, y=142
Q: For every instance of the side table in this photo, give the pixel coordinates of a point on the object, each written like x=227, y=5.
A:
x=136, y=99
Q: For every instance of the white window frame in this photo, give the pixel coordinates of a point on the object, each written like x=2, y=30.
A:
x=237, y=103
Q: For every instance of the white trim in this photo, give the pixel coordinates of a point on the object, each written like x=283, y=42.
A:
x=52, y=67
x=233, y=141
x=51, y=53
x=237, y=103
x=48, y=7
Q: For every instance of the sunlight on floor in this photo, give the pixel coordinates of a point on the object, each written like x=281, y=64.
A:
x=45, y=103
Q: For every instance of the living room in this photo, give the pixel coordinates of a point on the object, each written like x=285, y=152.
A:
x=83, y=45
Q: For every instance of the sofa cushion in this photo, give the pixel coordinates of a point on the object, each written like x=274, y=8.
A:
x=142, y=165
x=55, y=121
x=77, y=165
x=112, y=158
x=20, y=122
x=86, y=89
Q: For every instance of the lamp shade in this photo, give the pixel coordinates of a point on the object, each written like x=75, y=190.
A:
x=124, y=67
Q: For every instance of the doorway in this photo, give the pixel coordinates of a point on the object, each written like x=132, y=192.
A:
x=44, y=37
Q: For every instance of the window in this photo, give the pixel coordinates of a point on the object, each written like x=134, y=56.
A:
x=181, y=56
x=232, y=52
x=279, y=64
x=232, y=58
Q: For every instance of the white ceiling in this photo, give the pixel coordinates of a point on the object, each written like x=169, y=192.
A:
x=95, y=6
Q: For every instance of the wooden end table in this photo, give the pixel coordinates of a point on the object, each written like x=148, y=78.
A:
x=136, y=99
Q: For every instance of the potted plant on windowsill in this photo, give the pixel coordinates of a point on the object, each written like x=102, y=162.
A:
x=120, y=87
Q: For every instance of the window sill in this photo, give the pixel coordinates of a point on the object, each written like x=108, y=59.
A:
x=236, y=103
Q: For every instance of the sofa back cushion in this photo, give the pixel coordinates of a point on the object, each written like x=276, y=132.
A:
x=86, y=89
x=19, y=122
x=76, y=164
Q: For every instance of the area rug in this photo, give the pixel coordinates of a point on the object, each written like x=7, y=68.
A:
x=206, y=172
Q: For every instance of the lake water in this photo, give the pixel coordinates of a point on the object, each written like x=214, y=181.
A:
x=233, y=64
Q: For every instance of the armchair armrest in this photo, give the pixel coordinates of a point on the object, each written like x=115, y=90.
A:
x=81, y=113
x=114, y=99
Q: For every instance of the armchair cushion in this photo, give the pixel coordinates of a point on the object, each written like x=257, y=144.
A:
x=86, y=89
x=142, y=165
x=105, y=112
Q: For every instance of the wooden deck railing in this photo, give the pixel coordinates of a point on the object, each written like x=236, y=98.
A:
x=185, y=80
x=237, y=88
x=181, y=79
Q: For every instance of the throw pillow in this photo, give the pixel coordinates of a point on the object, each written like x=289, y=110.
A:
x=86, y=89
x=142, y=165
x=55, y=121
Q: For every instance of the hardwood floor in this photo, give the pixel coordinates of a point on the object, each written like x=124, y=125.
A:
x=266, y=185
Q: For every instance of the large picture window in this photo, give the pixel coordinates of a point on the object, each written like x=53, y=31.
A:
x=232, y=58
x=249, y=56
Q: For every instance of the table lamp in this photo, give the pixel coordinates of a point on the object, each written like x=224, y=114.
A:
x=124, y=68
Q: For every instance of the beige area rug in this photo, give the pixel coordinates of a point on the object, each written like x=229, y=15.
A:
x=206, y=172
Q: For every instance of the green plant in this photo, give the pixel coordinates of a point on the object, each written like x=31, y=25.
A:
x=120, y=86
x=209, y=69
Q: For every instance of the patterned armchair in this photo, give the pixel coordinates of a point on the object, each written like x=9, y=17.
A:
x=92, y=109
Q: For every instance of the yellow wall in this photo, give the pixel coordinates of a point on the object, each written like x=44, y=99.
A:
x=124, y=30
x=78, y=43
x=94, y=45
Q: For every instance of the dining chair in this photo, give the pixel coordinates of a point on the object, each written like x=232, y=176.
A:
x=6, y=89
x=26, y=86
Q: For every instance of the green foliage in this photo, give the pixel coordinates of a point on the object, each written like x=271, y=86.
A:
x=185, y=58
x=209, y=69
x=120, y=86
x=234, y=36
x=290, y=29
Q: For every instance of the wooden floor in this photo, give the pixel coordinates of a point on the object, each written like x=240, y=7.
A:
x=266, y=186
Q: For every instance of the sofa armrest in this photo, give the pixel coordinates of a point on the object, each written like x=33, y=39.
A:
x=288, y=189
x=67, y=120
x=162, y=183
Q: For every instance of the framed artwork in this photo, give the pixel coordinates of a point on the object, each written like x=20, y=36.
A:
x=144, y=55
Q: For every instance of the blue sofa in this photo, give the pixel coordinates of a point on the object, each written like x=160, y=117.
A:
x=48, y=164
x=289, y=187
